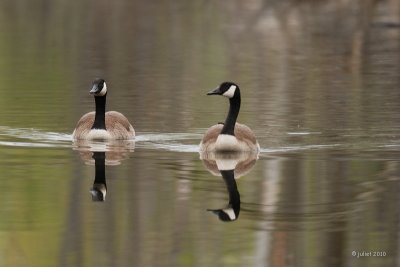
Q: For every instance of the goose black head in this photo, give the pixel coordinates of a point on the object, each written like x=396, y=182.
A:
x=99, y=88
x=227, y=89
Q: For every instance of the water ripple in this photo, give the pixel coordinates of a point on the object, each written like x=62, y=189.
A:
x=29, y=137
x=174, y=142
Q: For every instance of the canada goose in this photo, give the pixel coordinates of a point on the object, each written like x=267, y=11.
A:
x=102, y=125
x=229, y=136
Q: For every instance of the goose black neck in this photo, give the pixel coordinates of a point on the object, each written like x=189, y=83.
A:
x=100, y=168
x=100, y=117
x=234, y=107
x=234, y=196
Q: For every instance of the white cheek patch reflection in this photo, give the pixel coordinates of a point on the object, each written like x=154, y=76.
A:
x=104, y=192
x=103, y=91
x=231, y=213
x=230, y=92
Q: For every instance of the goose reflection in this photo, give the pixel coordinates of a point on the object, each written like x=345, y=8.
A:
x=101, y=154
x=99, y=189
x=230, y=166
x=231, y=211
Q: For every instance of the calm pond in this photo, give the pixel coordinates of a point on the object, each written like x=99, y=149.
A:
x=320, y=88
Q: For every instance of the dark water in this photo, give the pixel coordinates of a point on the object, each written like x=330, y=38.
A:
x=320, y=87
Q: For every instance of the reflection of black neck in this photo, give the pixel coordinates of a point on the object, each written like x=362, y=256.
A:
x=99, y=120
x=99, y=185
x=234, y=196
x=234, y=107
x=100, y=167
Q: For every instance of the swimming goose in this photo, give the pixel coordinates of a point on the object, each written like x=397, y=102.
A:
x=229, y=136
x=102, y=125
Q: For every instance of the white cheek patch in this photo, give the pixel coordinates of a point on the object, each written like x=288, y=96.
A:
x=230, y=213
x=230, y=92
x=104, y=192
x=103, y=91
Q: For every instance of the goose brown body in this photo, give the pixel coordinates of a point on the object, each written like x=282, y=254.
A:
x=246, y=140
x=117, y=126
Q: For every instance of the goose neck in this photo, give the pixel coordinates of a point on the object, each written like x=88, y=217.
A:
x=234, y=107
x=100, y=117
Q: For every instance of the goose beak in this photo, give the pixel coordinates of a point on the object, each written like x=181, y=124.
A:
x=94, y=89
x=214, y=211
x=215, y=91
